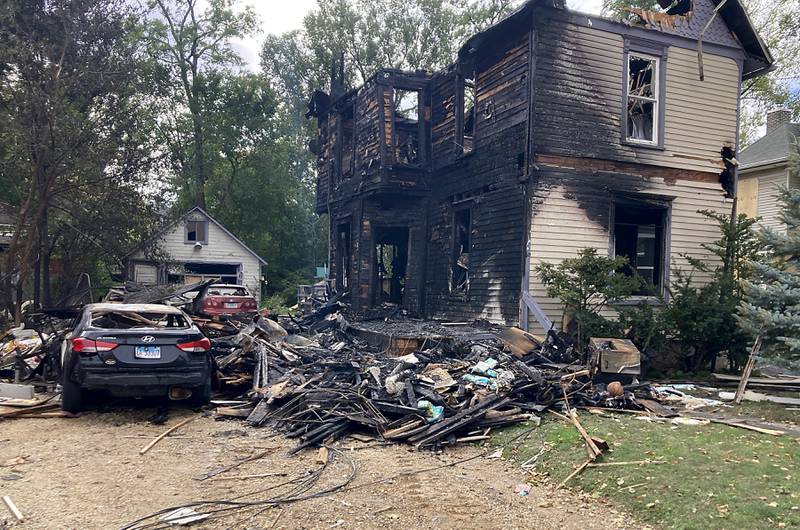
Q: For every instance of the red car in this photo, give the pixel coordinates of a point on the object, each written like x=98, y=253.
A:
x=222, y=299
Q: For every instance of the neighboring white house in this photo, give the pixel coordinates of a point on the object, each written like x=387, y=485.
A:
x=196, y=248
x=764, y=167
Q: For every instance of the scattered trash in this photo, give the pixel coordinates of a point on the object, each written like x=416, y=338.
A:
x=522, y=489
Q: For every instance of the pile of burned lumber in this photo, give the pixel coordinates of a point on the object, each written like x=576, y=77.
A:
x=325, y=383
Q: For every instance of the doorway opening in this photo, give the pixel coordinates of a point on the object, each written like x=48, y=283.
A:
x=391, y=261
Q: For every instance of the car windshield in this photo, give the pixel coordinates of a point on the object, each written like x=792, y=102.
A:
x=107, y=319
x=230, y=290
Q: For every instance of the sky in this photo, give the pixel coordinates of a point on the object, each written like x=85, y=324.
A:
x=280, y=16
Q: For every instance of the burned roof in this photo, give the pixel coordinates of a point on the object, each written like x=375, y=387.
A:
x=758, y=59
x=771, y=148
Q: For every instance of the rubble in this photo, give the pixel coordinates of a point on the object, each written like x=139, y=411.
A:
x=318, y=381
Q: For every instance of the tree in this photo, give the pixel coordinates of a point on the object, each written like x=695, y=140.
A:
x=778, y=24
x=69, y=115
x=586, y=285
x=190, y=48
x=771, y=308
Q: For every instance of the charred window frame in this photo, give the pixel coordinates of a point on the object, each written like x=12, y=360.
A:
x=196, y=231
x=344, y=253
x=641, y=232
x=407, y=108
x=462, y=248
x=643, y=93
x=345, y=145
x=466, y=111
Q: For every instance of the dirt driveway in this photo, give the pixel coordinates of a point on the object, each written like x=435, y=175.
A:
x=87, y=473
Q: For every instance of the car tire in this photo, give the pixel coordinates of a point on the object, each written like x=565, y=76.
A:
x=72, y=395
x=201, y=395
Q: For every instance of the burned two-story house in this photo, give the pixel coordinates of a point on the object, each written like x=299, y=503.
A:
x=553, y=131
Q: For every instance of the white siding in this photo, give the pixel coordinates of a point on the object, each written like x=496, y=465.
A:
x=145, y=273
x=560, y=227
x=221, y=249
x=699, y=116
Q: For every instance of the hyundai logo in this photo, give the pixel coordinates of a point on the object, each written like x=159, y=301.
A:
x=148, y=338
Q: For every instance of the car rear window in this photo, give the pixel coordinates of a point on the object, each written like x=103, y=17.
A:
x=137, y=319
x=227, y=291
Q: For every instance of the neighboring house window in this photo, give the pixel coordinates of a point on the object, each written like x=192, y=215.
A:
x=462, y=246
x=197, y=232
x=406, y=125
x=643, y=110
x=640, y=235
x=466, y=113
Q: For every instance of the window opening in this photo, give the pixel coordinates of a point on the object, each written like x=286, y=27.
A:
x=639, y=236
x=459, y=268
x=347, y=146
x=196, y=232
x=406, y=126
x=642, y=99
x=468, y=97
x=344, y=251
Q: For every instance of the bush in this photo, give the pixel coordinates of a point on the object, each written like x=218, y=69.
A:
x=587, y=284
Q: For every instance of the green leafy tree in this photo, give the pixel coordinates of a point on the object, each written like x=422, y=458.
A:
x=586, y=285
x=190, y=47
x=771, y=308
x=702, y=319
x=71, y=154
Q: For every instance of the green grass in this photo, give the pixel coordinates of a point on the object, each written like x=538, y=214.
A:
x=716, y=476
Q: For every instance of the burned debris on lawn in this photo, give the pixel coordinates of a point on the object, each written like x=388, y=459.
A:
x=320, y=386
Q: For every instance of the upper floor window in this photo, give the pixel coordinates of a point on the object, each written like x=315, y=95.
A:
x=643, y=99
x=346, y=144
x=466, y=105
x=197, y=232
x=406, y=125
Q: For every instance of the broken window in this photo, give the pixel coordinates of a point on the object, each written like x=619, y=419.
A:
x=406, y=126
x=462, y=244
x=130, y=319
x=346, y=145
x=467, y=99
x=344, y=251
x=642, y=99
x=197, y=232
x=639, y=236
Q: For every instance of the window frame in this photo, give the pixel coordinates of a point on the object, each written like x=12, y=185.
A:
x=646, y=50
x=341, y=172
x=460, y=115
x=186, y=239
x=459, y=209
x=663, y=203
x=420, y=124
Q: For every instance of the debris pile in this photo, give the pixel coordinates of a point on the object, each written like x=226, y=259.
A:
x=326, y=383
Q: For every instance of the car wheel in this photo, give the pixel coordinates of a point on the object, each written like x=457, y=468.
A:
x=201, y=395
x=72, y=395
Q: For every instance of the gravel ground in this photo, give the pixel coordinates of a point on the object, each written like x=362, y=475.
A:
x=86, y=473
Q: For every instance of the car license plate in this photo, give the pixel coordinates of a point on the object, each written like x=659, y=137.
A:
x=147, y=352
x=231, y=305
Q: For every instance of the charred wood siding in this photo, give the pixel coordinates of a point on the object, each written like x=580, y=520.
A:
x=571, y=210
x=579, y=99
x=488, y=180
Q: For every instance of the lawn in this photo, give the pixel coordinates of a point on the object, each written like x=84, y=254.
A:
x=715, y=476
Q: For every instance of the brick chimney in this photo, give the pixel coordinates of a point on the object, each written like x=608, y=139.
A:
x=776, y=118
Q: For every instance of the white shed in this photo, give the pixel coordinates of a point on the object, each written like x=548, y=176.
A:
x=194, y=248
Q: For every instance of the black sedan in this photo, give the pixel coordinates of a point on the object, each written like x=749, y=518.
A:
x=135, y=350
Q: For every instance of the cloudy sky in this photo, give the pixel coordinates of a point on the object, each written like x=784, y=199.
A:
x=279, y=16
